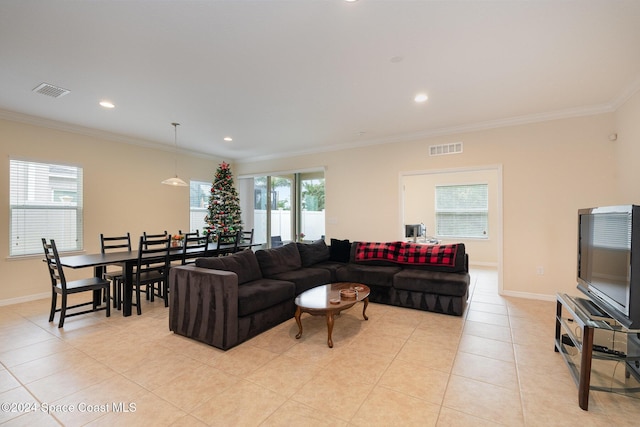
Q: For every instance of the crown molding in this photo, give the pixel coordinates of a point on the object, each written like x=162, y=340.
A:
x=450, y=130
x=97, y=133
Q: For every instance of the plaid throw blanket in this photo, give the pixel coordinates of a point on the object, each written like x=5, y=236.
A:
x=374, y=251
x=407, y=253
x=442, y=255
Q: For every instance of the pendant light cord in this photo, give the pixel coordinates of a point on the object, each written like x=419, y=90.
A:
x=175, y=140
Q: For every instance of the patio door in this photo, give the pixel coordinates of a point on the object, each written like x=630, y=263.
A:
x=283, y=208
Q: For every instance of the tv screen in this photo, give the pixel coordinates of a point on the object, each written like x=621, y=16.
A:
x=604, y=263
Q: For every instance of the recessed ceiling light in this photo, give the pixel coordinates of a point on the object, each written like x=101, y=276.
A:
x=228, y=138
x=421, y=97
x=107, y=104
x=351, y=1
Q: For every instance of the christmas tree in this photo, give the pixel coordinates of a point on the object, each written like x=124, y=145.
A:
x=224, y=204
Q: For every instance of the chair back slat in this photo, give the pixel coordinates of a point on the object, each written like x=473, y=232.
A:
x=230, y=242
x=155, y=236
x=246, y=237
x=193, y=247
x=56, y=273
x=110, y=243
x=153, y=254
x=189, y=235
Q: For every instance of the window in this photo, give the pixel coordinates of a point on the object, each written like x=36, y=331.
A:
x=199, y=193
x=45, y=202
x=462, y=211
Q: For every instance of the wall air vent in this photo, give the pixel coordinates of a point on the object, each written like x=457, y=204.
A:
x=50, y=90
x=442, y=149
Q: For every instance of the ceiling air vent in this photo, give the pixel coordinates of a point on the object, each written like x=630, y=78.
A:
x=442, y=149
x=51, y=90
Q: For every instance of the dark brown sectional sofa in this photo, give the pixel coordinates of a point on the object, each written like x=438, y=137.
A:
x=224, y=301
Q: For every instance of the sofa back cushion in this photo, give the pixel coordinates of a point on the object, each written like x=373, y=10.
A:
x=278, y=260
x=340, y=250
x=243, y=263
x=313, y=253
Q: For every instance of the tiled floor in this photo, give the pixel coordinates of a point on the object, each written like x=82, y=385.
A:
x=494, y=366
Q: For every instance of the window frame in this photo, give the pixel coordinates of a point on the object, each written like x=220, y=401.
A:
x=33, y=193
x=265, y=198
x=193, y=210
x=462, y=211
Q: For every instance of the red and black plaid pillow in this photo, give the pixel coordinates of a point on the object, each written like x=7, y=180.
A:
x=441, y=255
x=375, y=251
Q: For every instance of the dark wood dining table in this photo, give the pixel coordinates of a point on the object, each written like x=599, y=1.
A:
x=128, y=260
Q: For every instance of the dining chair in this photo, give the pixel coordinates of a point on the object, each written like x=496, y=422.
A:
x=230, y=242
x=152, y=268
x=246, y=239
x=193, y=247
x=154, y=236
x=112, y=244
x=59, y=285
x=190, y=234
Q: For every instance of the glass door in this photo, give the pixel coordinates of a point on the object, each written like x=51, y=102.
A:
x=281, y=214
x=311, y=206
x=283, y=208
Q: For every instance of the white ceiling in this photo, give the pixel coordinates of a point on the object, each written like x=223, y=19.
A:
x=300, y=76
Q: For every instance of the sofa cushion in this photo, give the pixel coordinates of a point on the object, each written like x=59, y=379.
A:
x=243, y=263
x=278, y=260
x=305, y=278
x=313, y=253
x=261, y=294
x=340, y=250
x=432, y=282
x=375, y=275
x=332, y=267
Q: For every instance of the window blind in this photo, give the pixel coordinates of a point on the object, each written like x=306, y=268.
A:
x=462, y=210
x=45, y=202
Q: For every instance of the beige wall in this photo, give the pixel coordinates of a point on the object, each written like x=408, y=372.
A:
x=549, y=170
x=628, y=146
x=122, y=192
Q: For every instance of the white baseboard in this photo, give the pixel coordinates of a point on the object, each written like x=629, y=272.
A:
x=483, y=264
x=27, y=298
x=528, y=295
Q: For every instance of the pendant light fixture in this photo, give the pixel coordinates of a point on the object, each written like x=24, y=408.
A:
x=175, y=181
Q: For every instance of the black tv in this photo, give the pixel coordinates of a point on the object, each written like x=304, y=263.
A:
x=609, y=260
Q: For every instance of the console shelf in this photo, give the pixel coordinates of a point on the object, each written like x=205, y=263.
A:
x=594, y=349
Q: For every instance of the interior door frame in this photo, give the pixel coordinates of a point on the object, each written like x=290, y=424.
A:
x=497, y=168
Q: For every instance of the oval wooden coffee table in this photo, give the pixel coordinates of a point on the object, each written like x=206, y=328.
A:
x=325, y=300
